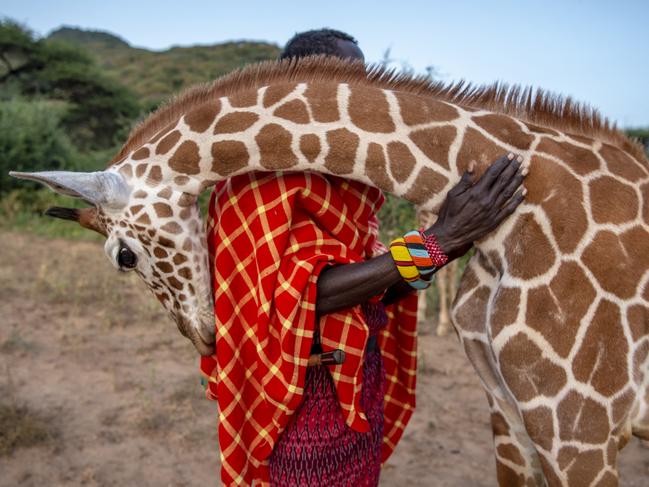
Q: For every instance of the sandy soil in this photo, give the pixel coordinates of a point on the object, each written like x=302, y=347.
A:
x=91, y=355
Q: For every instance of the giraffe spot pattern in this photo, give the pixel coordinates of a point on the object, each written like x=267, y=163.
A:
x=200, y=119
x=186, y=158
x=618, y=262
x=167, y=143
x=155, y=176
x=556, y=310
x=581, y=468
x=181, y=180
x=376, y=167
x=165, y=193
x=527, y=372
x=229, y=156
x=435, y=143
x=172, y=227
x=163, y=132
x=319, y=96
x=243, y=98
x=612, y=201
x=341, y=143
x=476, y=147
x=601, y=357
x=175, y=283
x=185, y=272
x=294, y=111
x=506, y=129
x=527, y=249
x=160, y=253
x=621, y=164
x=582, y=419
x=499, y=424
x=507, y=476
x=427, y=184
x=163, y=210
x=310, y=146
x=141, y=153
x=504, y=308
x=275, y=150
x=537, y=129
x=277, y=92
x=580, y=160
x=539, y=425
x=235, y=122
x=559, y=193
x=401, y=159
x=369, y=110
x=638, y=318
x=417, y=110
x=473, y=310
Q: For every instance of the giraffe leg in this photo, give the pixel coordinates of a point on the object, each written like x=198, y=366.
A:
x=574, y=463
x=517, y=461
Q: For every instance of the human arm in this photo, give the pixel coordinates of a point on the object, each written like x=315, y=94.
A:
x=469, y=212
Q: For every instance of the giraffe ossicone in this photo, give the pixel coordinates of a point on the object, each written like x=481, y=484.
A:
x=553, y=308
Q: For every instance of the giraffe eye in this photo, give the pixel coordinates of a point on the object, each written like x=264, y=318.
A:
x=126, y=258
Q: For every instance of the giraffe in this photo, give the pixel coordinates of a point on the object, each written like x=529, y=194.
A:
x=552, y=308
x=445, y=282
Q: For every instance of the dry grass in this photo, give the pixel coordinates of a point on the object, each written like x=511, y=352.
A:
x=20, y=427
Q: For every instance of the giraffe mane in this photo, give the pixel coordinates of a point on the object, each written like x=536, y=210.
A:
x=528, y=104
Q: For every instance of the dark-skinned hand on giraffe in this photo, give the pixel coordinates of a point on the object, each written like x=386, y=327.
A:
x=470, y=211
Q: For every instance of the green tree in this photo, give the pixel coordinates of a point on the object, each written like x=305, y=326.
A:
x=99, y=110
x=31, y=139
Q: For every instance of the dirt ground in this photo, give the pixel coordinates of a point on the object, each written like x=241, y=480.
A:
x=99, y=382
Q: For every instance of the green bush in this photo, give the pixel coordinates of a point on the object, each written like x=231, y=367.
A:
x=31, y=139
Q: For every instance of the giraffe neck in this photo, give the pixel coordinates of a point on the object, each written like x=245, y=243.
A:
x=401, y=143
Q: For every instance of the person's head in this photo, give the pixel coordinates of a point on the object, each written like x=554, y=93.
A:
x=322, y=41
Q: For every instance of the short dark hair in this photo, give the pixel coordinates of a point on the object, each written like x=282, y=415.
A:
x=320, y=41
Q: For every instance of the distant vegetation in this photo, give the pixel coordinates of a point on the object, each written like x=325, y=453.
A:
x=155, y=75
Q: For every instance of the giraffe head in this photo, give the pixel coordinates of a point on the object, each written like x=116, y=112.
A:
x=152, y=229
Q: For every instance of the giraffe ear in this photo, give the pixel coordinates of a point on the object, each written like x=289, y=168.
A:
x=86, y=217
x=101, y=188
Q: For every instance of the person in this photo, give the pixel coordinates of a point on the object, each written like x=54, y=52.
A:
x=307, y=278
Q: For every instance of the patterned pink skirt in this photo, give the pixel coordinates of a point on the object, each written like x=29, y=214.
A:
x=318, y=448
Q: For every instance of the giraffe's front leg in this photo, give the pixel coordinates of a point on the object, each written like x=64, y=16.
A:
x=517, y=462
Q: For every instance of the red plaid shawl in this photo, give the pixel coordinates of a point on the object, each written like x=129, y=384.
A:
x=270, y=235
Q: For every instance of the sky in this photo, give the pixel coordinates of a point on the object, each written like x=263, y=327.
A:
x=595, y=51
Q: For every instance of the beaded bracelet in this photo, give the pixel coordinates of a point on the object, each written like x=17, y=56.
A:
x=405, y=265
x=416, y=256
x=435, y=252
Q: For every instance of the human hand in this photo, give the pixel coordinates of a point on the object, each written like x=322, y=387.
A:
x=471, y=211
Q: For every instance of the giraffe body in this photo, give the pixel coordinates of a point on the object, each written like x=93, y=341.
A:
x=552, y=309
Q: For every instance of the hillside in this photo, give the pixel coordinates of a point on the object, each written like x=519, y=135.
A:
x=155, y=75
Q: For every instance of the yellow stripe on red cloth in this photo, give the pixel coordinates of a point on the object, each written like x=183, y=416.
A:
x=270, y=235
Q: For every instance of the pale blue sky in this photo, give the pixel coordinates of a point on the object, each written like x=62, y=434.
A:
x=594, y=50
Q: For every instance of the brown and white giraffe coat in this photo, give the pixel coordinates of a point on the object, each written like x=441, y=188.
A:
x=552, y=310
